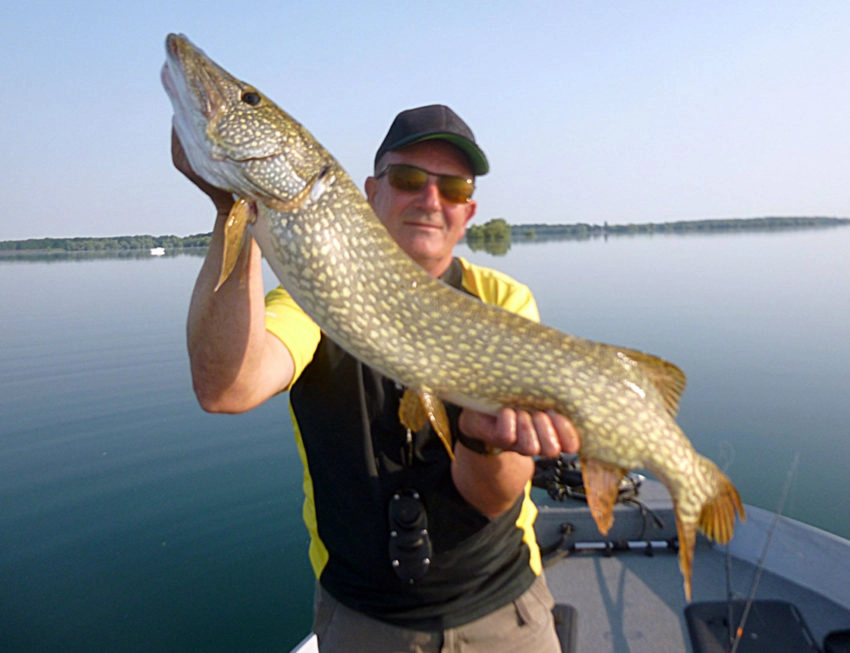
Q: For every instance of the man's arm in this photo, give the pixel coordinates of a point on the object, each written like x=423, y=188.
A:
x=236, y=364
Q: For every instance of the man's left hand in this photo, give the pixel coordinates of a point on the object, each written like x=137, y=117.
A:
x=531, y=434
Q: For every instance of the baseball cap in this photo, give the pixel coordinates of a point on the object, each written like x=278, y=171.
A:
x=434, y=122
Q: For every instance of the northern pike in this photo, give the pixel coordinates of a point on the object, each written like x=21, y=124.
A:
x=332, y=254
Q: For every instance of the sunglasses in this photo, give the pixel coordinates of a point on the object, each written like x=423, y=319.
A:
x=410, y=179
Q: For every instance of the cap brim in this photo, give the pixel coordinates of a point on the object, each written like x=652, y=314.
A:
x=477, y=161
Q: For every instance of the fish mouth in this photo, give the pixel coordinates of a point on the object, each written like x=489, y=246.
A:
x=204, y=95
x=187, y=77
x=165, y=77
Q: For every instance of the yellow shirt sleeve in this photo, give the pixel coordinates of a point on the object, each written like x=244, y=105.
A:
x=497, y=288
x=292, y=326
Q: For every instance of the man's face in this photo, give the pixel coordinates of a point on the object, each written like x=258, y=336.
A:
x=423, y=223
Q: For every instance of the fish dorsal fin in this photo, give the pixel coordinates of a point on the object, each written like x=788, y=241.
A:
x=666, y=377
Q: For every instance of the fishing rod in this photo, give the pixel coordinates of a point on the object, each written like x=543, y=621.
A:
x=739, y=631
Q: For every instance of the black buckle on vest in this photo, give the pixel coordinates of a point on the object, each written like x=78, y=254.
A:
x=410, y=544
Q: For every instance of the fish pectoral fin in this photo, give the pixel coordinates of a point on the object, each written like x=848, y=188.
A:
x=419, y=406
x=241, y=215
x=602, y=487
x=665, y=376
x=312, y=189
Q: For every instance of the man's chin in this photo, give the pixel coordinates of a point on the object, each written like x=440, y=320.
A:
x=422, y=247
x=423, y=234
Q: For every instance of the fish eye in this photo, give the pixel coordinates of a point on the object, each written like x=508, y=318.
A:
x=251, y=97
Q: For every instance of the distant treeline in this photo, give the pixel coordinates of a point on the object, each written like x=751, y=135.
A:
x=110, y=244
x=581, y=231
x=495, y=236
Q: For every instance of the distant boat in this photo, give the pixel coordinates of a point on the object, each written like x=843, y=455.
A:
x=157, y=251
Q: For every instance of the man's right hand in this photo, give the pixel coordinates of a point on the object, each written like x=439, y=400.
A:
x=222, y=199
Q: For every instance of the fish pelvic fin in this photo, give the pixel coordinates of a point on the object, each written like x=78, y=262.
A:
x=602, y=487
x=242, y=213
x=666, y=377
x=717, y=517
x=419, y=406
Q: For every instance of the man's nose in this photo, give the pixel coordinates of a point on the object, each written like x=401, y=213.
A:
x=430, y=195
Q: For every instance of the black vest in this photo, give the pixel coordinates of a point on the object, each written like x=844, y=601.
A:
x=358, y=456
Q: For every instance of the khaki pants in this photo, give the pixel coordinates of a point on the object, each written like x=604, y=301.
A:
x=525, y=625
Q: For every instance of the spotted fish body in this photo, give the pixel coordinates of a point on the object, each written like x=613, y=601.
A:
x=329, y=250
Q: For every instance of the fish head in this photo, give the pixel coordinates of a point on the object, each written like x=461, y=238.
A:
x=234, y=137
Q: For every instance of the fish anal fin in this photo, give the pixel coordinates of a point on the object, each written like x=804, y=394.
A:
x=241, y=215
x=687, y=531
x=717, y=517
x=666, y=377
x=419, y=406
x=602, y=487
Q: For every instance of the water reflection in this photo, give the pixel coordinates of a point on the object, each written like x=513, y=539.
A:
x=122, y=255
x=133, y=521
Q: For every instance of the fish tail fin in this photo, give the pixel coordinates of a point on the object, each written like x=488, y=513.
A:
x=714, y=516
x=717, y=517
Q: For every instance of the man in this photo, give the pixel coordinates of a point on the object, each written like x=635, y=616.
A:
x=412, y=551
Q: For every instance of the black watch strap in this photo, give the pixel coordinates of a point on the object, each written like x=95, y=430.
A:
x=478, y=446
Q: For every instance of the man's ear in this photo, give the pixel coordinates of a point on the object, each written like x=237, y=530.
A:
x=471, y=208
x=371, y=187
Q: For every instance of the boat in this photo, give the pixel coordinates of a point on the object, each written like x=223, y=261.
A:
x=157, y=251
x=782, y=585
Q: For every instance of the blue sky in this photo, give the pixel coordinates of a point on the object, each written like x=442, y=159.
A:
x=589, y=111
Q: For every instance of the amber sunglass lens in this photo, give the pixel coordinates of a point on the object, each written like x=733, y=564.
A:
x=455, y=189
x=406, y=178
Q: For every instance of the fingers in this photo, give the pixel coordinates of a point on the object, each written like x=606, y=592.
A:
x=526, y=433
x=179, y=158
x=177, y=153
x=531, y=434
x=222, y=199
x=542, y=434
x=181, y=161
x=547, y=436
x=567, y=434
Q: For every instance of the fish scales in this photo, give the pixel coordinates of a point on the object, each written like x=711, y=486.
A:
x=326, y=246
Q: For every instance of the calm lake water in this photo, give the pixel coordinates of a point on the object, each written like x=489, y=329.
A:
x=132, y=521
